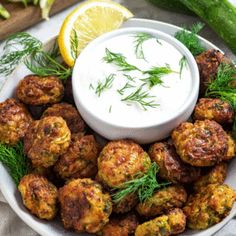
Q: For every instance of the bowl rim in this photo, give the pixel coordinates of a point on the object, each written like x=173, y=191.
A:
x=157, y=33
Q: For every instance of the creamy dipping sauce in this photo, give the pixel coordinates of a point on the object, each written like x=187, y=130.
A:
x=168, y=97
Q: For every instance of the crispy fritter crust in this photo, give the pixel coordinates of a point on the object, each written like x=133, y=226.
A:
x=84, y=207
x=126, y=204
x=171, y=167
x=214, y=109
x=45, y=140
x=80, y=160
x=209, y=206
x=172, y=223
x=39, y=196
x=163, y=200
x=121, y=161
x=14, y=121
x=35, y=90
x=203, y=143
x=208, y=63
x=216, y=175
x=121, y=226
x=69, y=113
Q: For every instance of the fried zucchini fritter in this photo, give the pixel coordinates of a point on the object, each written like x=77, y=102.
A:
x=14, y=121
x=35, y=90
x=126, y=204
x=69, y=113
x=209, y=206
x=208, y=63
x=172, y=223
x=171, y=167
x=120, y=226
x=121, y=161
x=46, y=140
x=203, y=143
x=216, y=175
x=84, y=207
x=214, y=109
x=80, y=160
x=163, y=200
x=39, y=196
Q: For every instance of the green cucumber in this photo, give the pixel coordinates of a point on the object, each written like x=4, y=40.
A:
x=220, y=16
x=173, y=5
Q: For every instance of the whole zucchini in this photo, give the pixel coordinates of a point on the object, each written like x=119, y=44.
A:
x=220, y=15
x=173, y=5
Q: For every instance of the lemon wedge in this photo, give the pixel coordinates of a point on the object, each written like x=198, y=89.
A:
x=88, y=21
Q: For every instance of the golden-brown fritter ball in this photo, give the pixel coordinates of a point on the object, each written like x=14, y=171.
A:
x=84, y=207
x=214, y=109
x=126, y=204
x=203, y=143
x=231, y=148
x=69, y=113
x=14, y=121
x=80, y=160
x=121, y=161
x=163, y=200
x=171, y=167
x=46, y=140
x=208, y=63
x=170, y=224
x=120, y=226
x=209, y=206
x=216, y=175
x=35, y=90
x=39, y=196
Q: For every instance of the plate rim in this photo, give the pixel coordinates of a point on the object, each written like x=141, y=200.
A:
x=30, y=221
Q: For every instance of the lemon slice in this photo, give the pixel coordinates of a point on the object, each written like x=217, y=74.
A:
x=88, y=21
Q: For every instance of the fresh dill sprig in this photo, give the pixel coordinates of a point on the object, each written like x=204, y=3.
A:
x=101, y=86
x=17, y=47
x=190, y=39
x=182, y=64
x=46, y=64
x=74, y=41
x=14, y=159
x=141, y=97
x=155, y=74
x=129, y=77
x=119, y=60
x=223, y=86
x=144, y=185
x=91, y=86
x=110, y=108
x=126, y=86
x=140, y=38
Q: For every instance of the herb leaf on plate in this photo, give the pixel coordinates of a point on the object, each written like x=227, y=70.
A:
x=14, y=159
x=190, y=39
x=143, y=185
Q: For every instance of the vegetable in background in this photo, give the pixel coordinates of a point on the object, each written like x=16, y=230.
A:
x=172, y=5
x=45, y=5
x=220, y=15
x=4, y=12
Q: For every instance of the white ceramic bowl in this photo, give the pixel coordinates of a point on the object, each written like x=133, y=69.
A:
x=51, y=228
x=140, y=133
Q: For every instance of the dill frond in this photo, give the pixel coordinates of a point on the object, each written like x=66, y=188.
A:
x=119, y=60
x=144, y=185
x=190, y=39
x=142, y=98
x=102, y=86
x=14, y=159
x=17, y=47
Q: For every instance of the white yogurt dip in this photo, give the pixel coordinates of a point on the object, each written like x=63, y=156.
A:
x=168, y=97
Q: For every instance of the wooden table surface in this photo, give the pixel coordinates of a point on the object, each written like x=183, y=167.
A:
x=21, y=17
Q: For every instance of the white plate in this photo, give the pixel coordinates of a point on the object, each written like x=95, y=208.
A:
x=55, y=227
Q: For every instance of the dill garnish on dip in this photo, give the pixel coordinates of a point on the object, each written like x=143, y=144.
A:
x=139, y=75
